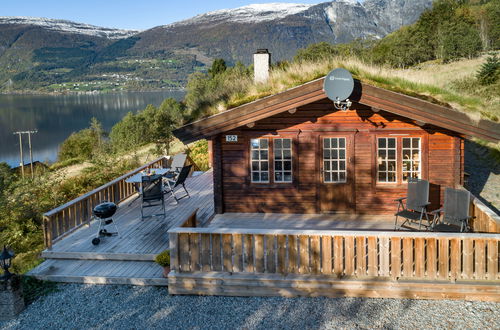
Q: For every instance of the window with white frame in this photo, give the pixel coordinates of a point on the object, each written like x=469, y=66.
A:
x=282, y=160
x=259, y=157
x=334, y=160
x=411, y=157
x=386, y=159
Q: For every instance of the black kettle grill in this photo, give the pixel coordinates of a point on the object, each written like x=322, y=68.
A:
x=103, y=212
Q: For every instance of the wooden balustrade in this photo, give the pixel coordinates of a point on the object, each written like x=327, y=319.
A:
x=485, y=220
x=343, y=254
x=63, y=220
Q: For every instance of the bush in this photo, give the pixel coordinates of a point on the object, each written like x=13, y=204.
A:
x=199, y=154
x=163, y=259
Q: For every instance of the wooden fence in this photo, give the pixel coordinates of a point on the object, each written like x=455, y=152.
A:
x=358, y=255
x=485, y=220
x=63, y=220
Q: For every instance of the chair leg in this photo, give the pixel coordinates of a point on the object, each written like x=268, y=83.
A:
x=187, y=193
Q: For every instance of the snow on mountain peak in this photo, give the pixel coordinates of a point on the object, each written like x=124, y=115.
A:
x=68, y=26
x=254, y=13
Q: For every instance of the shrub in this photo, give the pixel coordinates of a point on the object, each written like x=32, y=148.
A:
x=163, y=259
x=199, y=154
x=83, y=144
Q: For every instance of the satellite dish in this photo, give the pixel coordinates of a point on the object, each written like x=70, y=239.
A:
x=338, y=85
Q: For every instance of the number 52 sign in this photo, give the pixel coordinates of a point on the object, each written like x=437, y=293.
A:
x=231, y=138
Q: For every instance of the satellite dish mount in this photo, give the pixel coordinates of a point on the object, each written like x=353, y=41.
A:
x=338, y=86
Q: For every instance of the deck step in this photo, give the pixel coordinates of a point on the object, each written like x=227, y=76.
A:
x=100, y=272
x=98, y=256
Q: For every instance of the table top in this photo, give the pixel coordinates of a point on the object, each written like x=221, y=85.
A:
x=137, y=178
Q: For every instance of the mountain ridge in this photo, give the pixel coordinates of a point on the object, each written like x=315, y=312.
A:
x=47, y=53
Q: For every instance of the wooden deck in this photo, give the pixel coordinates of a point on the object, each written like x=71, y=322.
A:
x=127, y=259
x=302, y=221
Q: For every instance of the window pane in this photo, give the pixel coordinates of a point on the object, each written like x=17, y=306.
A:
x=287, y=143
x=255, y=143
x=264, y=166
x=277, y=143
x=255, y=154
x=406, y=142
x=342, y=176
x=288, y=166
x=326, y=154
x=278, y=176
x=263, y=154
x=335, y=177
x=277, y=154
x=391, y=143
x=342, y=166
x=392, y=154
x=381, y=143
x=288, y=177
x=278, y=166
x=326, y=165
x=342, y=154
x=326, y=143
x=255, y=176
x=263, y=143
x=255, y=166
x=287, y=154
x=264, y=176
x=335, y=166
x=342, y=143
x=328, y=177
x=335, y=154
x=392, y=177
x=416, y=143
x=334, y=143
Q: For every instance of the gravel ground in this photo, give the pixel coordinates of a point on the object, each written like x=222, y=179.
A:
x=78, y=306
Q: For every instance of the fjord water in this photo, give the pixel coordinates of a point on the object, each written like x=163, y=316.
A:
x=57, y=116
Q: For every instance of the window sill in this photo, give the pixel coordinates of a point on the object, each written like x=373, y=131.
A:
x=272, y=185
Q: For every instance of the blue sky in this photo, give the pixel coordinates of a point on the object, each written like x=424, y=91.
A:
x=124, y=14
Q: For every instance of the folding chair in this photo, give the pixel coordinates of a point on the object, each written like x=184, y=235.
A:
x=152, y=194
x=179, y=181
x=417, y=199
x=454, y=215
x=178, y=163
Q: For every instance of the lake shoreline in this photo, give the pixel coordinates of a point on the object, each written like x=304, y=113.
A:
x=95, y=92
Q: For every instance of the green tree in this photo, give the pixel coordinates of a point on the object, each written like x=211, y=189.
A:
x=132, y=131
x=84, y=144
x=489, y=72
x=218, y=67
x=165, y=120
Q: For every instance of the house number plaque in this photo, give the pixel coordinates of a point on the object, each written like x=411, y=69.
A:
x=231, y=138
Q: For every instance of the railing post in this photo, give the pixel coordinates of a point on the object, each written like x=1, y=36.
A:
x=47, y=232
x=174, y=252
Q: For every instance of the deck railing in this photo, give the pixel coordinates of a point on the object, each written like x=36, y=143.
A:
x=420, y=256
x=484, y=219
x=63, y=220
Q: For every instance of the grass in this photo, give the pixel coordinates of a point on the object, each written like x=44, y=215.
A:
x=438, y=83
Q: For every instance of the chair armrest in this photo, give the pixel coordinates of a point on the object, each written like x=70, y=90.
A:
x=437, y=211
x=400, y=199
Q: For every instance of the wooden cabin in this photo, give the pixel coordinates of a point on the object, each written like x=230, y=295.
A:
x=293, y=152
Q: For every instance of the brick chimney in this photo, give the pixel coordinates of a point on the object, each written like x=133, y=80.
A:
x=261, y=65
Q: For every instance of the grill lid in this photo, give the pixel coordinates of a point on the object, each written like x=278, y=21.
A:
x=105, y=210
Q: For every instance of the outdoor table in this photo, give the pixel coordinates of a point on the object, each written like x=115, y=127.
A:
x=137, y=178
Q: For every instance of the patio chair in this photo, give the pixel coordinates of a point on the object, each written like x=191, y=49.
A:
x=178, y=163
x=172, y=184
x=454, y=215
x=415, y=209
x=152, y=194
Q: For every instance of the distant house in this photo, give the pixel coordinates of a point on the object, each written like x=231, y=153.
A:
x=293, y=152
x=27, y=167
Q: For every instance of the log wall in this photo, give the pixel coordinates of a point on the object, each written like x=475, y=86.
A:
x=442, y=160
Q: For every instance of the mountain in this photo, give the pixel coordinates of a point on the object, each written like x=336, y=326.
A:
x=234, y=34
x=58, y=55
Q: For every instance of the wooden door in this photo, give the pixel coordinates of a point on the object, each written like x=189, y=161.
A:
x=336, y=179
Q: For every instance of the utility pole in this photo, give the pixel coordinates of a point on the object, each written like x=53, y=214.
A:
x=20, y=133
